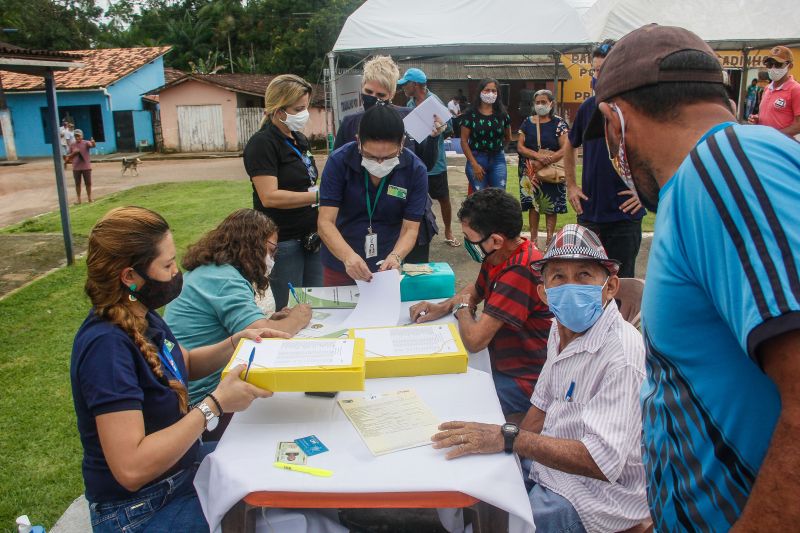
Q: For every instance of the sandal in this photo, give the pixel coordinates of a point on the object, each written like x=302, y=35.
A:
x=452, y=242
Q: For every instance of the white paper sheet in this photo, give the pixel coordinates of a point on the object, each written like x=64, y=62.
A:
x=408, y=340
x=392, y=421
x=297, y=353
x=419, y=123
x=378, y=301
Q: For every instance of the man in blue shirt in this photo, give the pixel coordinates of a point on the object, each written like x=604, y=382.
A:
x=603, y=203
x=721, y=309
x=414, y=84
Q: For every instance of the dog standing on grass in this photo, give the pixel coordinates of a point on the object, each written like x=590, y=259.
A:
x=132, y=164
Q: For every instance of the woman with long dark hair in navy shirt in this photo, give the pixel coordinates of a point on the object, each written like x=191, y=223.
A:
x=129, y=375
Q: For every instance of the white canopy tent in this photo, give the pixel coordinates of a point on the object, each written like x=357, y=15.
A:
x=426, y=28
x=724, y=24
x=431, y=28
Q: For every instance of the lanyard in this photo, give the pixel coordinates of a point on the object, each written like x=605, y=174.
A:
x=312, y=172
x=370, y=206
x=169, y=363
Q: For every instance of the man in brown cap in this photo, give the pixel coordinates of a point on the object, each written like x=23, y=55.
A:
x=780, y=105
x=721, y=309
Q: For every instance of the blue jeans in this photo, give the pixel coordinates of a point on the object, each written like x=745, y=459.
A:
x=512, y=398
x=494, y=168
x=168, y=506
x=296, y=265
x=553, y=513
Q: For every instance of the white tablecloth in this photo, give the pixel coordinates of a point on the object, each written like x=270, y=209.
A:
x=242, y=463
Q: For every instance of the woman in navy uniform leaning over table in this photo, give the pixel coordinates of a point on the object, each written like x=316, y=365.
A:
x=371, y=200
x=284, y=178
x=129, y=375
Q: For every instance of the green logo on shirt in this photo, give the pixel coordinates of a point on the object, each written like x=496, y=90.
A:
x=397, y=192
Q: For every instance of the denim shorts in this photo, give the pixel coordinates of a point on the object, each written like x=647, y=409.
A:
x=168, y=506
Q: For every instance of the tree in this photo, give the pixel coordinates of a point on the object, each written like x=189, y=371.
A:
x=51, y=25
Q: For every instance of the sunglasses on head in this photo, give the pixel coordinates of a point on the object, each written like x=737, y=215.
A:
x=771, y=63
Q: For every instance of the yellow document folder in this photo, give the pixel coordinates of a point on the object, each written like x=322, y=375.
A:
x=302, y=365
x=418, y=350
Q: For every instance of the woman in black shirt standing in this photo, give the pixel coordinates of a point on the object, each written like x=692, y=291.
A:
x=284, y=177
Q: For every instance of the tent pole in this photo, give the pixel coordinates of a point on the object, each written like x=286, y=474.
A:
x=334, y=95
x=743, y=86
x=556, y=60
x=52, y=111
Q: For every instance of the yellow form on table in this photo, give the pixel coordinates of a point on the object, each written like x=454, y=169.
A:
x=391, y=421
x=302, y=365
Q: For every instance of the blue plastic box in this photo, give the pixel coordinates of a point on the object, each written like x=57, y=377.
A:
x=441, y=283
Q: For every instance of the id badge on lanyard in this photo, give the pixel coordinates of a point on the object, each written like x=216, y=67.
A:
x=312, y=172
x=168, y=362
x=371, y=239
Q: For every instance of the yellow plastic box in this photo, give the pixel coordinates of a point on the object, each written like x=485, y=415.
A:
x=306, y=379
x=390, y=366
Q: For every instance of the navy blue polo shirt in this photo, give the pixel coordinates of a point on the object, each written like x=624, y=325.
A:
x=109, y=374
x=600, y=183
x=343, y=187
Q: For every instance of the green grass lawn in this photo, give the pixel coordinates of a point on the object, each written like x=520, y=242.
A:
x=40, y=463
x=512, y=186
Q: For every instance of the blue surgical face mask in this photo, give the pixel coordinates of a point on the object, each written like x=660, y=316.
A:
x=576, y=307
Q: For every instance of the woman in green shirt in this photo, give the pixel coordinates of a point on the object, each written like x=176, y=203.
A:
x=227, y=268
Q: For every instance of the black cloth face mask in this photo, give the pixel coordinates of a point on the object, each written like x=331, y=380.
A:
x=156, y=294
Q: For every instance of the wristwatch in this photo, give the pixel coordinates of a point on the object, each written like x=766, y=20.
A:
x=459, y=307
x=211, y=419
x=510, y=432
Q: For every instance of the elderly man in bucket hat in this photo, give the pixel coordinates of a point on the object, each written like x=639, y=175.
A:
x=583, y=430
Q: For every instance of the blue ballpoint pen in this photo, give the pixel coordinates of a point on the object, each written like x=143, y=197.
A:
x=571, y=389
x=294, y=294
x=250, y=362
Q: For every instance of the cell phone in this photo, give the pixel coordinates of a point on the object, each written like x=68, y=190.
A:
x=322, y=394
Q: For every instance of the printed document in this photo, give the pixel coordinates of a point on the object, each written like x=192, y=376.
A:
x=391, y=421
x=419, y=123
x=408, y=340
x=277, y=353
x=378, y=301
x=329, y=297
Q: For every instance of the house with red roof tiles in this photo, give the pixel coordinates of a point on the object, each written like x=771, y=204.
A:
x=104, y=99
x=219, y=112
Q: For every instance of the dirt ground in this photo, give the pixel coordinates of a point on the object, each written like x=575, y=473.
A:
x=28, y=190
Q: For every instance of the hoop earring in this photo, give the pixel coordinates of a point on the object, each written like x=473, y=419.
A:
x=132, y=288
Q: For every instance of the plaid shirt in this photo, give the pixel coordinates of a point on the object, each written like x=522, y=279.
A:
x=519, y=348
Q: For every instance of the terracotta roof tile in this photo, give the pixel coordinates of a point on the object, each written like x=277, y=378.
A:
x=10, y=50
x=104, y=66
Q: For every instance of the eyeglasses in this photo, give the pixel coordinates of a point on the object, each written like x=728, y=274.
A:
x=771, y=63
x=272, y=245
x=371, y=157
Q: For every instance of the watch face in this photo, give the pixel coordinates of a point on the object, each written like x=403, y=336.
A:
x=510, y=429
x=212, y=424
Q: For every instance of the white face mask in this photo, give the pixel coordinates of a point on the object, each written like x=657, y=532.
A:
x=270, y=262
x=297, y=121
x=777, y=73
x=489, y=97
x=380, y=170
x=542, y=109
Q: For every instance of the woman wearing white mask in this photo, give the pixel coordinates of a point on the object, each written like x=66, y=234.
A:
x=371, y=201
x=284, y=178
x=485, y=130
x=535, y=195
x=225, y=270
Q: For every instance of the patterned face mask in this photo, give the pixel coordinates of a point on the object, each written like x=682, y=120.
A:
x=620, y=160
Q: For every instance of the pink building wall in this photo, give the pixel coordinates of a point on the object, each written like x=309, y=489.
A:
x=193, y=92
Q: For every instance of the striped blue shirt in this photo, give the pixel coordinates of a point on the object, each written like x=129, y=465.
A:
x=722, y=278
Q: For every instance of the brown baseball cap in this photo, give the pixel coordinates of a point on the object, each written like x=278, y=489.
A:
x=781, y=54
x=635, y=61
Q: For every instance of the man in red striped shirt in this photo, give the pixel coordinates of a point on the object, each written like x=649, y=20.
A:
x=515, y=323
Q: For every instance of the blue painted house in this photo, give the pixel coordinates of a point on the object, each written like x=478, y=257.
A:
x=104, y=99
